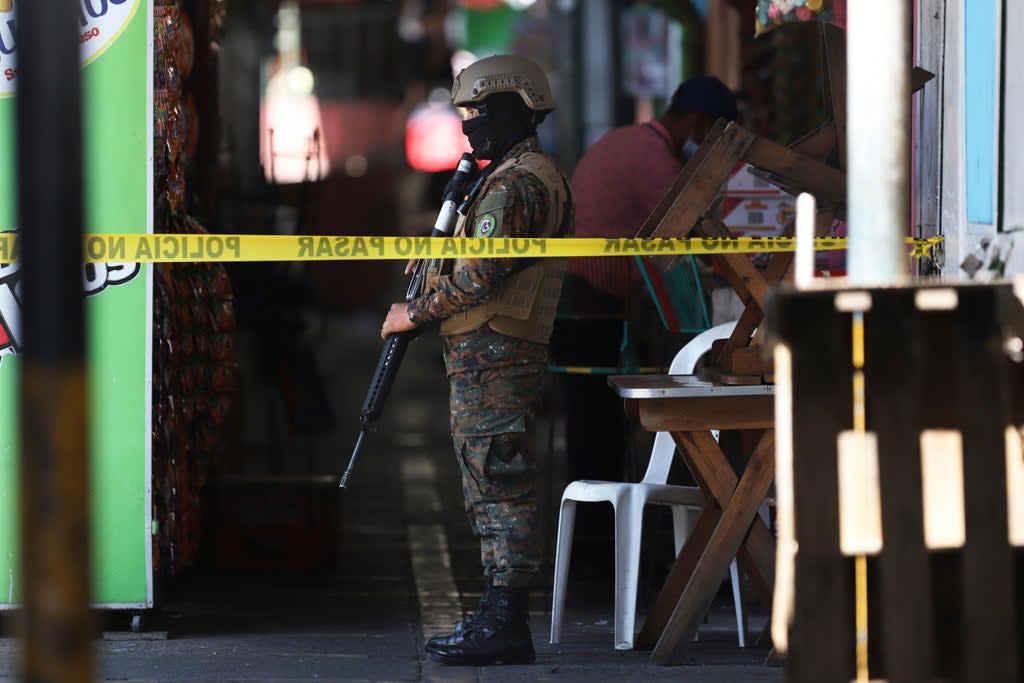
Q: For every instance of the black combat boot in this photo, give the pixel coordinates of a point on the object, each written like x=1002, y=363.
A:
x=500, y=633
x=464, y=623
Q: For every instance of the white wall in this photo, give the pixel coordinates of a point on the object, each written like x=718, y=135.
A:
x=962, y=236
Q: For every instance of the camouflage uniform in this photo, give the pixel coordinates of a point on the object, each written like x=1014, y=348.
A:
x=495, y=384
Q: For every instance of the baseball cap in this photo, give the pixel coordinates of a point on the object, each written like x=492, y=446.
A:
x=706, y=95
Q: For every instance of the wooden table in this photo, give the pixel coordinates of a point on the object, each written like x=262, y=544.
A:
x=729, y=526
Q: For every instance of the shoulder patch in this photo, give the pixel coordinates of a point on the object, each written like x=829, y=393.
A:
x=486, y=225
x=489, y=213
x=493, y=201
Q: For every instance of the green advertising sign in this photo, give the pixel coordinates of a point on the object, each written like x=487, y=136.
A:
x=116, y=52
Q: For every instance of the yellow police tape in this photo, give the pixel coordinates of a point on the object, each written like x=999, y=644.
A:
x=181, y=248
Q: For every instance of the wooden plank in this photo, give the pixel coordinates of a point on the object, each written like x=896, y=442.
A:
x=750, y=360
x=944, y=565
x=725, y=542
x=684, y=177
x=822, y=640
x=818, y=144
x=689, y=414
x=692, y=200
x=632, y=409
x=779, y=270
x=685, y=563
x=796, y=173
x=743, y=276
x=893, y=368
x=834, y=39
x=727, y=267
x=682, y=571
x=702, y=456
x=1014, y=320
x=989, y=627
x=757, y=339
x=725, y=378
x=751, y=319
x=764, y=587
x=757, y=562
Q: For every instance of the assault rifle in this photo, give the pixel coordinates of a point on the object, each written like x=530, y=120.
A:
x=458, y=195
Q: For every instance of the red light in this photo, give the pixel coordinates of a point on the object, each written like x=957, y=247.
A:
x=433, y=138
x=480, y=4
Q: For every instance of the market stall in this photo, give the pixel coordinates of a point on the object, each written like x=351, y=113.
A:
x=160, y=338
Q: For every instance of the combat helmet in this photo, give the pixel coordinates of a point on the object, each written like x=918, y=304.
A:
x=503, y=73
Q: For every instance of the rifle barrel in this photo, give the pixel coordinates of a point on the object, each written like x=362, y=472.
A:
x=347, y=476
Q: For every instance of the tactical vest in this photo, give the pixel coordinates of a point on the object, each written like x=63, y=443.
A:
x=525, y=304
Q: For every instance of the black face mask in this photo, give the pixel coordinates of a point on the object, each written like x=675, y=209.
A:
x=503, y=122
x=482, y=136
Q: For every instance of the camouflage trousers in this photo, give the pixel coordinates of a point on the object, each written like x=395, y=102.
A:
x=490, y=411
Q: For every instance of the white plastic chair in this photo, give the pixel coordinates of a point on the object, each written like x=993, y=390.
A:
x=628, y=501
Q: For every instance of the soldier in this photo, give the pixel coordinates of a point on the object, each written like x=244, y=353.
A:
x=496, y=317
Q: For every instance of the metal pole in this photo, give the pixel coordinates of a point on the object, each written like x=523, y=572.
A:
x=56, y=628
x=599, y=90
x=878, y=78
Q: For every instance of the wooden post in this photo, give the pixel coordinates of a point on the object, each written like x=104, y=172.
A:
x=821, y=642
x=894, y=366
x=942, y=404
x=988, y=626
x=56, y=629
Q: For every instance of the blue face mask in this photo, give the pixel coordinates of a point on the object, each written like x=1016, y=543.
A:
x=688, y=149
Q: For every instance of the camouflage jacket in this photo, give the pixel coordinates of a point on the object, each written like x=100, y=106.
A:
x=526, y=206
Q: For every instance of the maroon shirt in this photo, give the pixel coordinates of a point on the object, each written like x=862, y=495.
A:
x=617, y=183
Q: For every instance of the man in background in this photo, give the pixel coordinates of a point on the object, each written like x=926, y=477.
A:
x=617, y=184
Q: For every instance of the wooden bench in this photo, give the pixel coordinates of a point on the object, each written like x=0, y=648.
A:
x=689, y=408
